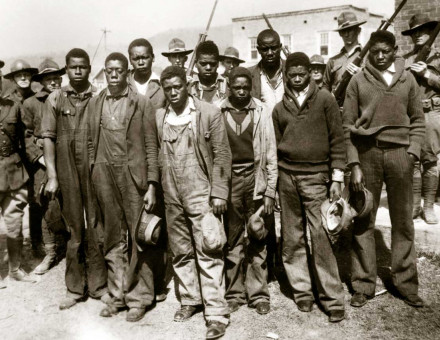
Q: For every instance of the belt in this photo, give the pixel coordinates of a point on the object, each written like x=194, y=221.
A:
x=6, y=151
x=239, y=168
x=387, y=145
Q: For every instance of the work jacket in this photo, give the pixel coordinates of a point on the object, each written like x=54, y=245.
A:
x=154, y=90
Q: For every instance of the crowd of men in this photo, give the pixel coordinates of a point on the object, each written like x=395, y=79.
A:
x=212, y=155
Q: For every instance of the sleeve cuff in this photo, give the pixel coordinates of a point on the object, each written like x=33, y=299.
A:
x=338, y=175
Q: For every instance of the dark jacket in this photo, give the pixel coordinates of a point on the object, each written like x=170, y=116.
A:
x=210, y=133
x=374, y=110
x=256, y=78
x=140, y=137
x=154, y=91
x=309, y=137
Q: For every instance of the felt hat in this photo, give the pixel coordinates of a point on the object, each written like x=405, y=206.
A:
x=176, y=46
x=418, y=21
x=213, y=233
x=361, y=202
x=48, y=66
x=316, y=59
x=148, y=229
x=20, y=65
x=255, y=226
x=231, y=52
x=347, y=20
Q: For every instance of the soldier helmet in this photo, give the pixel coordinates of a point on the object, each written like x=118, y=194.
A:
x=20, y=65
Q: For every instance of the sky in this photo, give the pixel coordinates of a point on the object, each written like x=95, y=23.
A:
x=31, y=27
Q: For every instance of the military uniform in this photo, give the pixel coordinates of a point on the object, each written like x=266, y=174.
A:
x=64, y=120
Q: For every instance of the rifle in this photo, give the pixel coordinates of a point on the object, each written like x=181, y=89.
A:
x=426, y=48
x=285, y=49
x=202, y=38
x=341, y=88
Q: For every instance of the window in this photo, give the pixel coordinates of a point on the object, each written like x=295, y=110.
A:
x=323, y=44
x=254, y=51
x=286, y=40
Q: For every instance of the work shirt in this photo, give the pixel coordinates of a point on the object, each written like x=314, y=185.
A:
x=389, y=73
x=337, y=65
x=151, y=89
x=209, y=94
x=271, y=94
x=142, y=88
x=301, y=96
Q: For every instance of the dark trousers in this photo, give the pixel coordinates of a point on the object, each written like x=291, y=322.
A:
x=240, y=207
x=130, y=281
x=394, y=167
x=301, y=196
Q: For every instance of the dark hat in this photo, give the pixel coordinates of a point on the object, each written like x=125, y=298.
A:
x=20, y=66
x=347, y=20
x=148, y=229
x=213, y=233
x=176, y=46
x=417, y=21
x=231, y=52
x=316, y=59
x=48, y=66
x=240, y=72
x=2, y=63
x=361, y=202
x=255, y=226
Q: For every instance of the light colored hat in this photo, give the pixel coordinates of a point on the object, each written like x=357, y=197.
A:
x=213, y=233
x=176, y=46
x=48, y=66
x=347, y=20
x=231, y=52
x=316, y=59
x=148, y=229
x=417, y=21
x=20, y=65
x=255, y=227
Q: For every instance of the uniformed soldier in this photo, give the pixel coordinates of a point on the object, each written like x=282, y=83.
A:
x=123, y=160
x=46, y=214
x=427, y=74
x=20, y=75
x=230, y=60
x=317, y=66
x=177, y=53
x=207, y=84
x=64, y=129
x=13, y=183
x=349, y=30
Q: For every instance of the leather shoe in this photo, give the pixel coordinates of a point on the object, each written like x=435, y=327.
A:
x=67, y=303
x=233, y=306
x=135, y=314
x=358, y=299
x=109, y=311
x=21, y=275
x=185, y=312
x=414, y=300
x=215, y=330
x=263, y=307
x=161, y=297
x=336, y=315
x=305, y=305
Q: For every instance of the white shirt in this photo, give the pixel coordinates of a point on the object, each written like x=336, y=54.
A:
x=301, y=96
x=184, y=118
x=388, y=74
x=142, y=88
x=270, y=95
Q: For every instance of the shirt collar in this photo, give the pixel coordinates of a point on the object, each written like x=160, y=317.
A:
x=219, y=78
x=190, y=107
x=227, y=105
x=301, y=93
x=70, y=89
x=278, y=73
x=117, y=96
x=42, y=93
x=391, y=69
x=358, y=47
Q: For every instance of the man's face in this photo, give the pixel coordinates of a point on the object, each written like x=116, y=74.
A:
x=350, y=35
x=421, y=36
x=229, y=64
x=141, y=58
x=175, y=91
x=317, y=72
x=298, y=77
x=270, y=50
x=23, y=79
x=241, y=89
x=78, y=70
x=207, y=65
x=116, y=76
x=178, y=59
x=51, y=82
x=382, y=55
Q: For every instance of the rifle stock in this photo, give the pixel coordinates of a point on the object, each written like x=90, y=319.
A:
x=341, y=88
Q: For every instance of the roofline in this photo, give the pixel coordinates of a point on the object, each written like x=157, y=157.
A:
x=322, y=9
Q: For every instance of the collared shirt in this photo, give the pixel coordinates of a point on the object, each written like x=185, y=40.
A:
x=184, y=118
x=142, y=88
x=114, y=110
x=301, y=96
x=388, y=74
x=271, y=95
x=209, y=94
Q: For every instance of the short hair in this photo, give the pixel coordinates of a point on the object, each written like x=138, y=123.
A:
x=383, y=36
x=171, y=72
x=140, y=42
x=207, y=47
x=77, y=53
x=298, y=59
x=117, y=56
x=266, y=34
x=240, y=71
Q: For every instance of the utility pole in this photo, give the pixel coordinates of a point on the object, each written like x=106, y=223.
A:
x=103, y=36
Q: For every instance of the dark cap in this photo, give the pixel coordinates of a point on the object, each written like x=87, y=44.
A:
x=418, y=21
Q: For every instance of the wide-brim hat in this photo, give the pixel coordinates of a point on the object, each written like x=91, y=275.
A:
x=148, y=229
x=348, y=20
x=231, y=52
x=255, y=226
x=176, y=46
x=48, y=67
x=2, y=63
x=213, y=233
x=317, y=60
x=417, y=21
x=20, y=66
x=361, y=202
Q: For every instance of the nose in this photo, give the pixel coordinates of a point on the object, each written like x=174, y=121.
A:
x=208, y=67
x=173, y=92
x=77, y=70
x=380, y=55
x=23, y=77
x=296, y=79
x=114, y=74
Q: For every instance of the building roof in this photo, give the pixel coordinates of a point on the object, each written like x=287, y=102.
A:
x=315, y=10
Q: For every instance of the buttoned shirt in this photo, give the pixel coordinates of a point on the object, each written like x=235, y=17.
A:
x=271, y=95
x=301, y=96
x=388, y=74
x=209, y=94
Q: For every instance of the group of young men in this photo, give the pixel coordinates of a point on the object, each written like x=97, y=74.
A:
x=194, y=149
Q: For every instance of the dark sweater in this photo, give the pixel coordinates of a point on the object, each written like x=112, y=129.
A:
x=391, y=114
x=309, y=137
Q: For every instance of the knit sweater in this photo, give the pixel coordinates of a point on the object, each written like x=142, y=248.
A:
x=309, y=136
x=391, y=114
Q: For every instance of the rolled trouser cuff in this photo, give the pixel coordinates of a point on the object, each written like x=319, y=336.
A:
x=185, y=302
x=216, y=311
